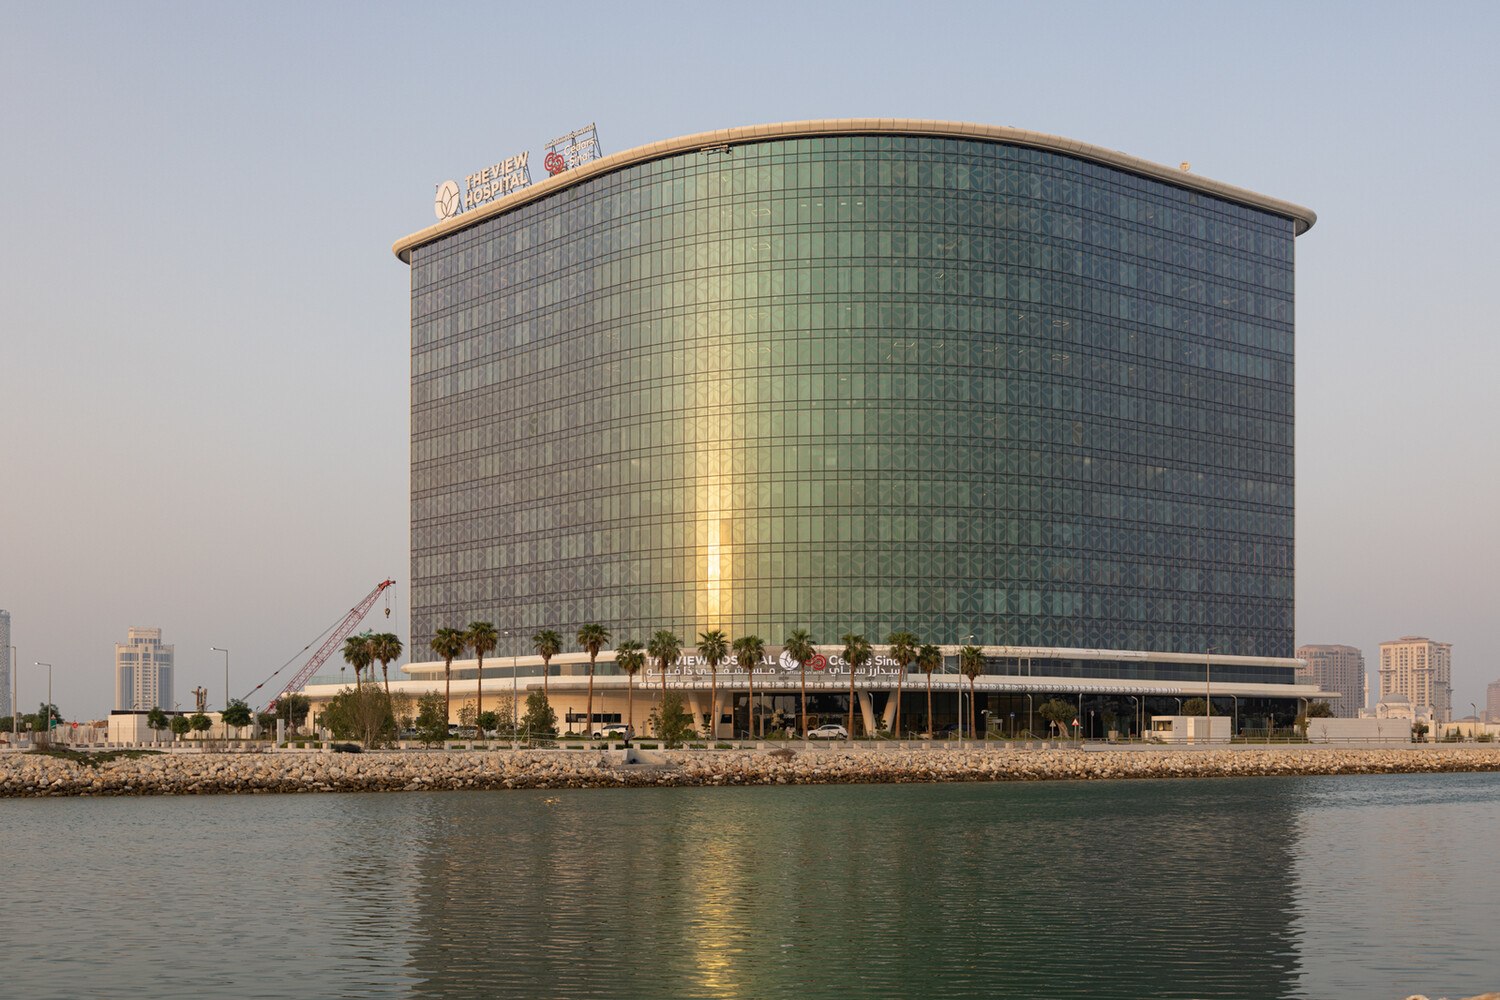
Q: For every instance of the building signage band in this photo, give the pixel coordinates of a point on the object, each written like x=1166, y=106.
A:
x=514, y=173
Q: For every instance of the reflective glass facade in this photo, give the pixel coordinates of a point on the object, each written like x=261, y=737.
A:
x=860, y=383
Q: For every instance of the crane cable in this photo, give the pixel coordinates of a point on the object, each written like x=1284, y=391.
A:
x=295, y=657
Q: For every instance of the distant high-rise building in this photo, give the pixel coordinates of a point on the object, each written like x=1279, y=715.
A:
x=1492, y=703
x=143, y=671
x=1422, y=670
x=5, y=679
x=1335, y=668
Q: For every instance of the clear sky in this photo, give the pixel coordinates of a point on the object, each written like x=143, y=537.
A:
x=204, y=356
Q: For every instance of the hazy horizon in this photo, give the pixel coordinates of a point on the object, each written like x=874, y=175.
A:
x=204, y=382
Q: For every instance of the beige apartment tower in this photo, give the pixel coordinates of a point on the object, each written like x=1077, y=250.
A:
x=1335, y=668
x=1492, y=702
x=1422, y=670
x=143, y=671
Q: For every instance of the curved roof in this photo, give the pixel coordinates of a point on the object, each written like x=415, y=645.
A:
x=1302, y=218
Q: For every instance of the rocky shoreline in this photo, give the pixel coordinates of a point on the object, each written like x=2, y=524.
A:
x=38, y=775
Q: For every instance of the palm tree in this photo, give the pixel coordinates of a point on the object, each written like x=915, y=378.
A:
x=857, y=653
x=448, y=643
x=929, y=658
x=903, y=651
x=385, y=647
x=547, y=644
x=971, y=665
x=799, y=646
x=713, y=647
x=592, y=638
x=748, y=649
x=482, y=638
x=357, y=654
x=630, y=656
x=664, y=648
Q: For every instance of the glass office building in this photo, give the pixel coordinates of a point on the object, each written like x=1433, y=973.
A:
x=977, y=383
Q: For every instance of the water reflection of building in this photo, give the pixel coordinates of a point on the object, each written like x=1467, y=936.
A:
x=1005, y=890
x=982, y=384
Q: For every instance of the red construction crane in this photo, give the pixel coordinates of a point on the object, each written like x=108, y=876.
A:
x=341, y=631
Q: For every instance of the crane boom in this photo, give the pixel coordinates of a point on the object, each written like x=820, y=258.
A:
x=335, y=638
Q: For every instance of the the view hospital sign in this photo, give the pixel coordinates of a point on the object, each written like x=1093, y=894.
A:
x=514, y=173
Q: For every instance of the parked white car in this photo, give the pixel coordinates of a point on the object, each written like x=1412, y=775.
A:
x=616, y=731
x=828, y=731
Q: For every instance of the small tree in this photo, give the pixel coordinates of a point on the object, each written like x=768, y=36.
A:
x=539, y=719
x=488, y=722
x=156, y=719
x=671, y=722
x=1320, y=710
x=200, y=723
x=1195, y=706
x=1418, y=732
x=238, y=715
x=363, y=714
x=432, y=718
x=1057, y=712
x=293, y=708
x=180, y=726
x=404, y=708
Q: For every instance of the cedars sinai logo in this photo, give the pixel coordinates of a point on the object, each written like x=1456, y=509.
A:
x=785, y=661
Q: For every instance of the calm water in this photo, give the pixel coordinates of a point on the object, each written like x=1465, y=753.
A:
x=1257, y=888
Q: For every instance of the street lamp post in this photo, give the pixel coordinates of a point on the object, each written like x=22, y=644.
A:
x=15, y=694
x=221, y=649
x=1208, y=691
x=515, y=709
x=1135, y=712
x=958, y=679
x=47, y=718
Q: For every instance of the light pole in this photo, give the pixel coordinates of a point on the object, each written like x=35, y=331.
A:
x=221, y=649
x=515, y=709
x=1474, y=733
x=1208, y=691
x=1135, y=712
x=958, y=679
x=1028, y=716
x=15, y=695
x=47, y=719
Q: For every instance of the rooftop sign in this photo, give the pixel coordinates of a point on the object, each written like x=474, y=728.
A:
x=514, y=173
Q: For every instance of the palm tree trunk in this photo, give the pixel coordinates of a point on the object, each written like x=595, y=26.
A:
x=546, y=670
x=713, y=701
x=851, y=700
x=973, y=732
x=900, y=676
x=661, y=717
x=588, y=724
x=804, y=701
x=750, y=719
x=929, y=704
x=385, y=672
x=630, y=703
x=479, y=695
x=447, y=694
